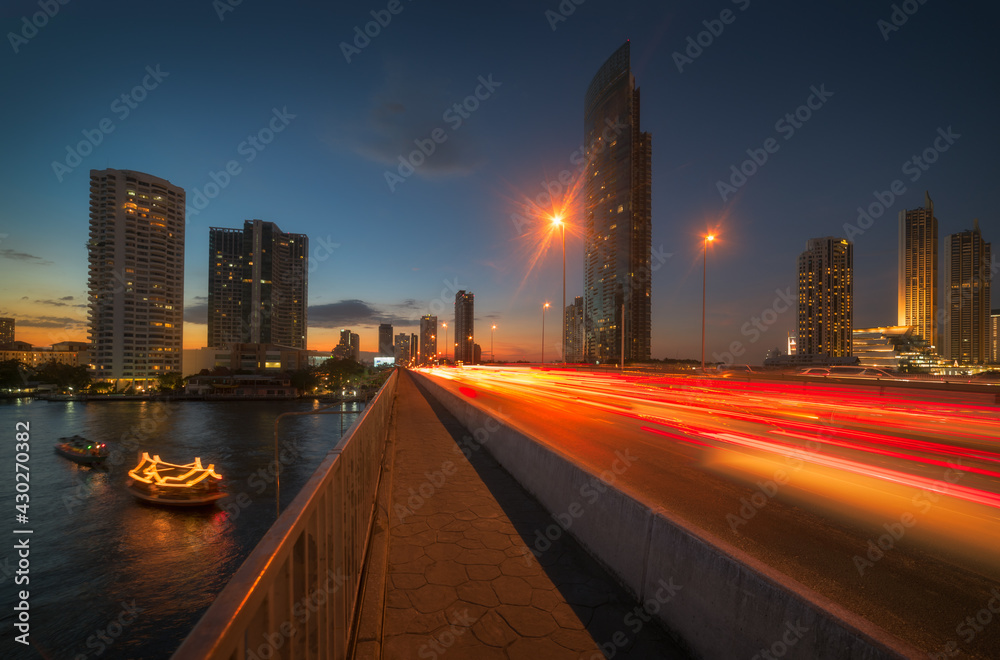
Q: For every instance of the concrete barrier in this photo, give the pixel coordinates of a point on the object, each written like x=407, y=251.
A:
x=729, y=605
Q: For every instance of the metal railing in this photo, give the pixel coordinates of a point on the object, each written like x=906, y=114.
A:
x=295, y=596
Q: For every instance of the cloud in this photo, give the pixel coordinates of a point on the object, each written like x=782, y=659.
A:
x=52, y=322
x=62, y=302
x=23, y=256
x=348, y=313
x=408, y=108
x=196, y=313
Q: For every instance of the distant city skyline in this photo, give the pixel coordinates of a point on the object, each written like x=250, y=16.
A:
x=812, y=145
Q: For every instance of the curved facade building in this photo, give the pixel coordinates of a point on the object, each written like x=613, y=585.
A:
x=618, y=216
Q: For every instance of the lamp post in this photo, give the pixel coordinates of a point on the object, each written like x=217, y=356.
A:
x=544, y=307
x=704, y=279
x=557, y=220
x=492, y=332
x=445, y=342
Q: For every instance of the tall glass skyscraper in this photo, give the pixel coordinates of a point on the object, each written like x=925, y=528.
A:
x=428, y=338
x=136, y=275
x=918, y=271
x=465, y=330
x=257, y=286
x=618, y=216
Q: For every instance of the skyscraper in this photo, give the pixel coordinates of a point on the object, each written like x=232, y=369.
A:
x=225, y=287
x=966, y=310
x=385, y=340
x=573, y=324
x=826, y=290
x=428, y=338
x=401, y=348
x=465, y=331
x=917, y=299
x=618, y=215
x=136, y=275
x=6, y=330
x=342, y=351
x=995, y=336
x=257, y=286
x=356, y=347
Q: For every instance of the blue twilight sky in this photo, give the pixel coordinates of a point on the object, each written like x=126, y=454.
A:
x=395, y=250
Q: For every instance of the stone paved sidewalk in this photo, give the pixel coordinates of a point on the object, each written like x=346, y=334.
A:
x=461, y=581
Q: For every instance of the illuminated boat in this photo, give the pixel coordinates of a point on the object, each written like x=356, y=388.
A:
x=80, y=450
x=159, y=482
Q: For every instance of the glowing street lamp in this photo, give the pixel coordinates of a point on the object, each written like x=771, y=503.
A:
x=492, y=332
x=704, y=278
x=445, y=342
x=544, y=307
x=557, y=220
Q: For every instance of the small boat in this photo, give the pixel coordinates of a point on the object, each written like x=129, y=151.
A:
x=158, y=482
x=80, y=450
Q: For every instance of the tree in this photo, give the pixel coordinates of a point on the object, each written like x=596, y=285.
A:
x=63, y=376
x=304, y=380
x=13, y=374
x=170, y=382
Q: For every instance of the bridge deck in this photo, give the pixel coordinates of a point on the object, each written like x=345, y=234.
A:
x=469, y=572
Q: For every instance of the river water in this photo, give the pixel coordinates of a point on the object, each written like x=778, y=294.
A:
x=110, y=576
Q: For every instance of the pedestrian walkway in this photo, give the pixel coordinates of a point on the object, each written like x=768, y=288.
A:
x=460, y=580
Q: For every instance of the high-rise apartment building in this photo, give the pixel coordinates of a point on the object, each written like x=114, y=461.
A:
x=826, y=292
x=618, y=216
x=257, y=286
x=356, y=347
x=573, y=331
x=966, y=305
x=995, y=336
x=342, y=351
x=6, y=330
x=428, y=338
x=136, y=275
x=917, y=297
x=385, y=340
x=401, y=348
x=465, y=331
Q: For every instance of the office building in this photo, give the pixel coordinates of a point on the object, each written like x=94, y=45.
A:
x=917, y=295
x=414, y=349
x=465, y=332
x=6, y=331
x=967, y=297
x=825, y=298
x=573, y=329
x=617, y=216
x=385, y=340
x=136, y=275
x=257, y=286
x=428, y=338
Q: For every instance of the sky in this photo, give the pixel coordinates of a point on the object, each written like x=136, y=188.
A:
x=312, y=117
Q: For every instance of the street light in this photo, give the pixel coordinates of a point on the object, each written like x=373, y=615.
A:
x=544, y=307
x=557, y=220
x=492, y=332
x=445, y=342
x=704, y=278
